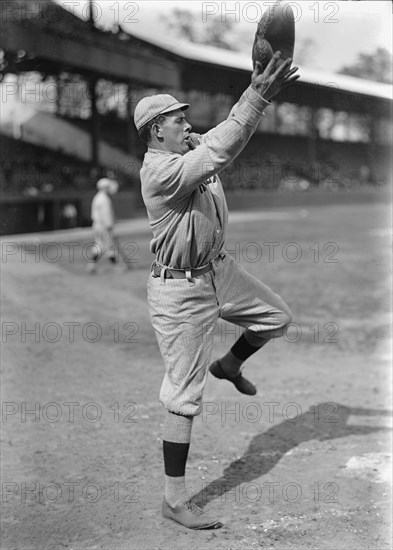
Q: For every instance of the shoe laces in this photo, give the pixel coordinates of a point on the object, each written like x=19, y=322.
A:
x=194, y=509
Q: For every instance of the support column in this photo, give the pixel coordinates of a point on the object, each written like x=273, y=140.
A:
x=313, y=136
x=94, y=121
x=372, y=151
x=59, y=92
x=91, y=14
x=131, y=130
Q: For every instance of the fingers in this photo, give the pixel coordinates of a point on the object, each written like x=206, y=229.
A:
x=270, y=68
x=273, y=62
x=276, y=76
x=289, y=75
x=290, y=81
x=258, y=70
x=293, y=70
x=283, y=67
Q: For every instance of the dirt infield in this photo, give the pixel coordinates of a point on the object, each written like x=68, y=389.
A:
x=305, y=464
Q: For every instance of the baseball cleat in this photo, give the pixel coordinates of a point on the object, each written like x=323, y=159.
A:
x=241, y=384
x=189, y=515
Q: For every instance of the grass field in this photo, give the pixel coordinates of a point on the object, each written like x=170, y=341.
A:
x=85, y=470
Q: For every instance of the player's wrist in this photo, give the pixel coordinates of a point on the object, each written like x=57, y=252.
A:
x=256, y=97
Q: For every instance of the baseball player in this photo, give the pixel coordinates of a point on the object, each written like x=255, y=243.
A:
x=193, y=281
x=103, y=217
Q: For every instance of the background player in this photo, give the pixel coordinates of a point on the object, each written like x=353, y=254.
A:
x=103, y=217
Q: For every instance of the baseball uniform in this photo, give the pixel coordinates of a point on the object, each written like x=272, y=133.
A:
x=188, y=216
x=103, y=218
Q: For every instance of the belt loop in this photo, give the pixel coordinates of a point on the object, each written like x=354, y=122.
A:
x=189, y=277
x=162, y=275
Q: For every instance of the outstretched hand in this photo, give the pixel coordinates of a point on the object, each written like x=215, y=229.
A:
x=267, y=83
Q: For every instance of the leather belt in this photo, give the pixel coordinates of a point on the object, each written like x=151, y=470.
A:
x=180, y=273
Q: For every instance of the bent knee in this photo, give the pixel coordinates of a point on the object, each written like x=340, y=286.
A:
x=283, y=319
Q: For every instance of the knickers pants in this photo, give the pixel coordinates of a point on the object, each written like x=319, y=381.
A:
x=184, y=317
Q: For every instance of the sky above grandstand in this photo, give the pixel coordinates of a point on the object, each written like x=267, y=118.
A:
x=339, y=31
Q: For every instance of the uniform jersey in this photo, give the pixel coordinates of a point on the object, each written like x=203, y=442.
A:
x=183, y=195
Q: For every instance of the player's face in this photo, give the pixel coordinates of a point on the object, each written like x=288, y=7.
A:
x=174, y=132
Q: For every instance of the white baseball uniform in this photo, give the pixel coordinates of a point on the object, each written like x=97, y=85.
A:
x=188, y=215
x=103, y=218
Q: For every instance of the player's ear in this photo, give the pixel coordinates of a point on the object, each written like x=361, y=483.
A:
x=156, y=130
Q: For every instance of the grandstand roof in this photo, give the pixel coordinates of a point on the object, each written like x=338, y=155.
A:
x=66, y=41
x=43, y=36
x=240, y=61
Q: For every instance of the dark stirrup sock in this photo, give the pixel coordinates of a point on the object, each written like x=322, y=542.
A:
x=176, y=443
x=239, y=352
x=175, y=458
x=242, y=350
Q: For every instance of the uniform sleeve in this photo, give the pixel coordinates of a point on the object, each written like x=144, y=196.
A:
x=235, y=108
x=180, y=175
x=242, y=99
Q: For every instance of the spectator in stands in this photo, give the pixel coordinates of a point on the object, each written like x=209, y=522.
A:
x=103, y=217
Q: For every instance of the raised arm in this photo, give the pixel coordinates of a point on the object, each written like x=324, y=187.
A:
x=180, y=175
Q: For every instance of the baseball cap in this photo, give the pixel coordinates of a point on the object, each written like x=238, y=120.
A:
x=151, y=106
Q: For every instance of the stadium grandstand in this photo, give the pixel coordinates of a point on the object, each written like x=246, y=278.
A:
x=68, y=91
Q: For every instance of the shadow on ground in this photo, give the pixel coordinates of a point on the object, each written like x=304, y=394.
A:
x=327, y=421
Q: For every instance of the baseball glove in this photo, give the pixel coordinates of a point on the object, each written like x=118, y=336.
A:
x=276, y=31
